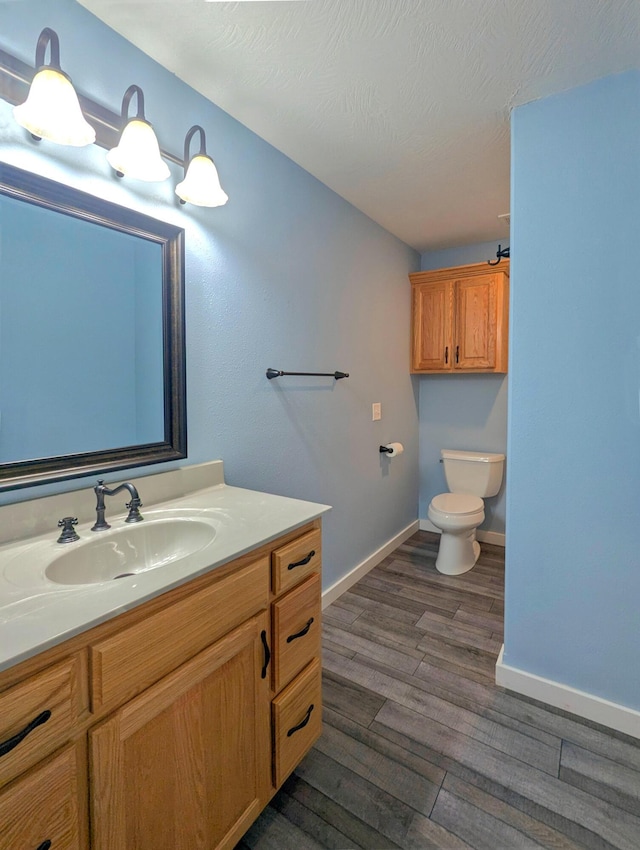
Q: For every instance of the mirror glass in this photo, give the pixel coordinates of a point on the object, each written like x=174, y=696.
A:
x=91, y=334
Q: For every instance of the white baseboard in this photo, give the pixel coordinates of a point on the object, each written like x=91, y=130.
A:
x=342, y=585
x=495, y=537
x=583, y=704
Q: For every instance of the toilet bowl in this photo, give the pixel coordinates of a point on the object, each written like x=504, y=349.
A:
x=457, y=516
x=470, y=477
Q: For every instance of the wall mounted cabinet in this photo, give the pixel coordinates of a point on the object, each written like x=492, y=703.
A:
x=460, y=319
x=172, y=725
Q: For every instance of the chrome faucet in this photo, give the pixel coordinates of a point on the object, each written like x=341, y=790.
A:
x=101, y=490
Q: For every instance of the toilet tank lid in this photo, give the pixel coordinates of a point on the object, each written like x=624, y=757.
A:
x=482, y=457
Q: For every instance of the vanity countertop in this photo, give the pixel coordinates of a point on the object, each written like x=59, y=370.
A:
x=36, y=613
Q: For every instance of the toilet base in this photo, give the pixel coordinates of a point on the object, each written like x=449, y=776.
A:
x=457, y=553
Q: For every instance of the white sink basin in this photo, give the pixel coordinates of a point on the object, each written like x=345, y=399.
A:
x=130, y=550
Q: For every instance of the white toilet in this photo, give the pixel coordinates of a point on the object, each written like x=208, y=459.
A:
x=471, y=476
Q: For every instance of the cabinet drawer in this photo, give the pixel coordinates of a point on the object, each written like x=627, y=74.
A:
x=43, y=709
x=293, y=562
x=43, y=806
x=130, y=661
x=296, y=630
x=297, y=720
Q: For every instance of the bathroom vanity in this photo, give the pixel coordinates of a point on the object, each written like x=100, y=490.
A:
x=161, y=717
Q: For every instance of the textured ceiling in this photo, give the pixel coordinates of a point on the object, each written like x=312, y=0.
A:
x=400, y=106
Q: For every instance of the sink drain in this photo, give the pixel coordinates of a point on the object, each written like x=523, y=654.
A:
x=123, y=575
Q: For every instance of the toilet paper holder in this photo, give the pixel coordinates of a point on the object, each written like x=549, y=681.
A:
x=392, y=449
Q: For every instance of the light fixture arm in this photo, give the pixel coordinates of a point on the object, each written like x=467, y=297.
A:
x=48, y=38
x=187, y=143
x=126, y=100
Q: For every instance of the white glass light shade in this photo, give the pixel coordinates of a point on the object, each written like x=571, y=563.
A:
x=52, y=111
x=137, y=154
x=201, y=184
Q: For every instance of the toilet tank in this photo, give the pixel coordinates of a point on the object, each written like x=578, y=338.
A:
x=473, y=473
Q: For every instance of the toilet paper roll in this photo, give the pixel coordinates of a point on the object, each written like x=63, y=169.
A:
x=396, y=449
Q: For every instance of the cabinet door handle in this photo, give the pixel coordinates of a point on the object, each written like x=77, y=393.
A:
x=303, y=724
x=10, y=743
x=457, y=353
x=302, y=633
x=267, y=654
x=45, y=845
x=303, y=561
x=446, y=354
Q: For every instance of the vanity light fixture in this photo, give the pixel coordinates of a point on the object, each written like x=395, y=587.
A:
x=52, y=110
x=137, y=154
x=201, y=184
x=47, y=105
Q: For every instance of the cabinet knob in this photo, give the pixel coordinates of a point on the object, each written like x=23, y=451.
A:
x=45, y=845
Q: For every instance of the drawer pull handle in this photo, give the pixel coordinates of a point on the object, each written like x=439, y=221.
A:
x=267, y=653
x=45, y=845
x=303, y=724
x=303, y=561
x=304, y=631
x=8, y=745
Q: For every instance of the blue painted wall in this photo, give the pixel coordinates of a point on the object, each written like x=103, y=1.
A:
x=286, y=275
x=461, y=411
x=573, y=489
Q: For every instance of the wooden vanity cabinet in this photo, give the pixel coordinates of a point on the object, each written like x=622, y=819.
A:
x=459, y=319
x=173, y=724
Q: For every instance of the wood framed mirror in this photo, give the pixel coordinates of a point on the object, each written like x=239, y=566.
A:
x=92, y=336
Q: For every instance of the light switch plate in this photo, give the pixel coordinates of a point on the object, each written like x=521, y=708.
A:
x=376, y=411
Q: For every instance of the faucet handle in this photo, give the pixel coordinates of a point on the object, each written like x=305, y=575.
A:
x=134, y=510
x=68, y=534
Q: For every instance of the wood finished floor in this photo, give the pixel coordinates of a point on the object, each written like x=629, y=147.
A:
x=420, y=749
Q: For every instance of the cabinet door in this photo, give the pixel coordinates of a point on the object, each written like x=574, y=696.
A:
x=475, y=323
x=292, y=563
x=185, y=765
x=296, y=630
x=41, y=808
x=432, y=336
x=46, y=704
x=297, y=720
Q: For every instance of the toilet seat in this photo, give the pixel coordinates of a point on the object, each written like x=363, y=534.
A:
x=460, y=504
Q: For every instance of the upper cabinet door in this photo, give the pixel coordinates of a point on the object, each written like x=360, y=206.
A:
x=432, y=327
x=460, y=319
x=475, y=323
